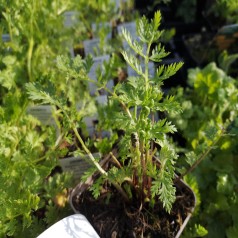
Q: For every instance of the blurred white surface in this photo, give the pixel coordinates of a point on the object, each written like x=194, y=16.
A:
x=74, y=226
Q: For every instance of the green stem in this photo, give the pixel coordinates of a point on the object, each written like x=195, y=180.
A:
x=9, y=28
x=135, y=112
x=203, y=156
x=101, y=170
x=115, y=160
x=143, y=168
x=29, y=58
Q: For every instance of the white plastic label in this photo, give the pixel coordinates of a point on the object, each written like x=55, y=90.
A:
x=102, y=100
x=91, y=46
x=98, y=61
x=6, y=37
x=43, y=113
x=96, y=27
x=129, y=26
x=77, y=165
x=70, y=18
x=91, y=121
x=72, y=226
x=117, y=3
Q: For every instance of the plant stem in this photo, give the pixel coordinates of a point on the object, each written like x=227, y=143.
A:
x=203, y=156
x=135, y=112
x=120, y=190
x=115, y=160
x=101, y=170
x=29, y=57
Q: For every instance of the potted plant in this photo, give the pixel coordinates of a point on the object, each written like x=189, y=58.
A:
x=133, y=185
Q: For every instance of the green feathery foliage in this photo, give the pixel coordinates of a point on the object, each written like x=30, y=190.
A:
x=130, y=108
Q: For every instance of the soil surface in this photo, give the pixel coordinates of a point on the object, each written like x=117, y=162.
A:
x=112, y=218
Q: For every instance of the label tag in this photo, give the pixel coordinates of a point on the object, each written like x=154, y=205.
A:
x=77, y=165
x=129, y=26
x=44, y=113
x=102, y=26
x=101, y=100
x=70, y=18
x=98, y=61
x=92, y=121
x=91, y=46
x=6, y=38
x=117, y=4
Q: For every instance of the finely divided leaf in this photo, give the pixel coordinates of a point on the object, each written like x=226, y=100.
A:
x=133, y=62
x=135, y=45
x=164, y=72
x=164, y=185
x=37, y=94
x=157, y=20
x=158, y=53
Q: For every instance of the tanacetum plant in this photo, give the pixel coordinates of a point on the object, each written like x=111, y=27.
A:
x=144, y=165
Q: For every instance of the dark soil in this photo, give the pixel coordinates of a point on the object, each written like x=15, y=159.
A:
x=112, y=218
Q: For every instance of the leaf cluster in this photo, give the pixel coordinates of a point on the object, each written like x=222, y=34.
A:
x=210, y=121
x=26, y=162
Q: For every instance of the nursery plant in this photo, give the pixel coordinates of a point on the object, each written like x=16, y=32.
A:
x=29, y=191
x=29, y=25
x=221, y=12
x=138, y=169
x=210, y=120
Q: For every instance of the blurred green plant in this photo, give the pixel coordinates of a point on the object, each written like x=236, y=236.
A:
x=27, y=161
x=210, y=119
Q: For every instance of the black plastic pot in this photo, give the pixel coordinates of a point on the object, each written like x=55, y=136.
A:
x=182, y=190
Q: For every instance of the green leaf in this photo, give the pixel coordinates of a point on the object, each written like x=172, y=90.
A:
x=9, y=60
x=164, y=185
x=170, y=105
x=226, y=60
x=88, y=63
x=232, y=232
x=191, y=157
x=96, y=187
x=158, y=53
x=36, y=93
x=133, y=62
x=162, y=127
x=135, y=45
x=148, y=32
x=157, y=20
x=164, y=72
x=200, y=230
